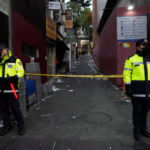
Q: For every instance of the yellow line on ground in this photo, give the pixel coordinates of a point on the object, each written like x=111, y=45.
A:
x=76, y=76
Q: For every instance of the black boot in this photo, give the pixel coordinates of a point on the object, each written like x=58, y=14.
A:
x=21, y=131
x=5, y=130
x=137, y=135
x=145, y=133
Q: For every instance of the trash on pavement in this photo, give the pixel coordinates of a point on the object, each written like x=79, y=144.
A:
x=37, y=108
x=74, y=117
x=54, y=88
x=98, y=78
x=129, y=121
x=128, y=101
x=115, y=87
x=46, y=115
x=54, y=145
x=70, y=90
x=43, y=99
x=1, y=123
x=125, y=99
x=59, y=81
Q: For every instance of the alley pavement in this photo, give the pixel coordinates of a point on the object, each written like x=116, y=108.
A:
x=80, y=114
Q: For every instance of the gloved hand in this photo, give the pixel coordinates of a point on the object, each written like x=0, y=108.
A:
x=13, y=79
x=128, y=90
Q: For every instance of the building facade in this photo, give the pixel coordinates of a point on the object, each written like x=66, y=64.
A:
x=28, y=32
x=116, y=40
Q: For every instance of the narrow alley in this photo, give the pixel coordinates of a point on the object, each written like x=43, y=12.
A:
x=82, y=114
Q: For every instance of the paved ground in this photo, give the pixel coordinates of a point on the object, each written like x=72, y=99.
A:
x=83, y=114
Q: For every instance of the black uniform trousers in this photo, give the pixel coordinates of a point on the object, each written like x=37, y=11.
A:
x=140, y=113
x=7, y=100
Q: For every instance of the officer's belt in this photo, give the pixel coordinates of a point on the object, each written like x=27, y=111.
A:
x=8, y=91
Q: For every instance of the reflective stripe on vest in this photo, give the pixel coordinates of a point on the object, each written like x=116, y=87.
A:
x=8, y=91
x=137, y=63
x=128, y=69
x=140, y=95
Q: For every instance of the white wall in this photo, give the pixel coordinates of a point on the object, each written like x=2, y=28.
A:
x=100, y=6
x=4, y=6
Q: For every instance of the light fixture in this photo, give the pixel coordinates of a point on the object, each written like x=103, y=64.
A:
x=130, y=7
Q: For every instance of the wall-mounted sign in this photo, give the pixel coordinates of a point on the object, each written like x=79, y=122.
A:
x=131, y=28
x=68, y=14
x=54, y=5
x=50, y=28
x=68, y=22
x=126, y=45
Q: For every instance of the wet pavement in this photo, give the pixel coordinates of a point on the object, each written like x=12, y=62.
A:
x=82, y=114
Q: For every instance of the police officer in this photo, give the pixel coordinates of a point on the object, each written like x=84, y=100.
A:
x=11, y=70
x=137, y=85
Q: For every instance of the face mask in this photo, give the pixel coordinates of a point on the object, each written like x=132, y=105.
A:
x=146, y=51
x=0, y=53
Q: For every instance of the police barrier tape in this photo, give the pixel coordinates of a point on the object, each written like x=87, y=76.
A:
x=77, y=76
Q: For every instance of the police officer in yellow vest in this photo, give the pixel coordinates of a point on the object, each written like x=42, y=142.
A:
x=11, y=70
x=137, y=85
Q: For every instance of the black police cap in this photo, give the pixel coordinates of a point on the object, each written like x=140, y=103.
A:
x=2, y=46
x=140, y=42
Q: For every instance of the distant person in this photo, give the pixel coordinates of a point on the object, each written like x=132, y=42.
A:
x=77, y=54
x=11, y=69
x=136, y=76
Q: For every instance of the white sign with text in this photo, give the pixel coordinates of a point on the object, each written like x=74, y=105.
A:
x=131, y=28
x=54, y=5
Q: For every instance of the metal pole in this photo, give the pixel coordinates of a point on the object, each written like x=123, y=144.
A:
x=9, y=25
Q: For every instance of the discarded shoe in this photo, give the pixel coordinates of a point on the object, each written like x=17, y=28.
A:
x=21, y=131
x=1, y=124
x=5, y=130
x=137, y=135
x=145, y=133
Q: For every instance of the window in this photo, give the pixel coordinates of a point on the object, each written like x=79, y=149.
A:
x=28, y=50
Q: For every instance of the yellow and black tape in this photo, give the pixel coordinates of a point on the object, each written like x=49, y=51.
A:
x=105, y=77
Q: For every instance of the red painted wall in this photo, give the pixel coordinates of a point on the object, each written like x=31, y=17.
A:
x=104, y=53
x=109, y=55
x=25, y=32
x=123, y=53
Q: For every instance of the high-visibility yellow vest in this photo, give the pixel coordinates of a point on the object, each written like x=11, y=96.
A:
x=137, y=74
x=13, y=66
x=10, y=66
